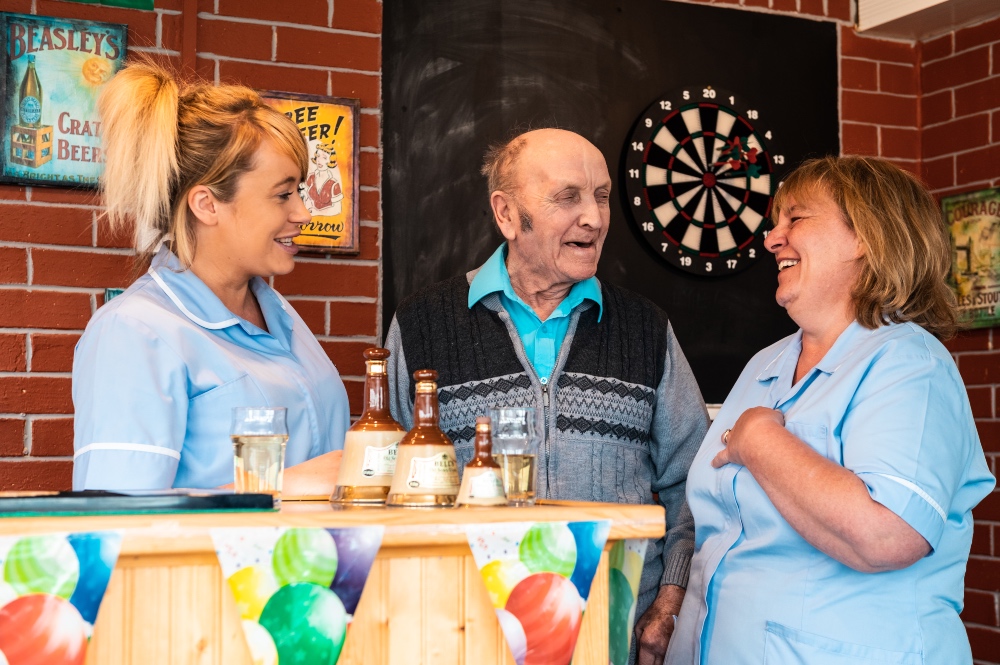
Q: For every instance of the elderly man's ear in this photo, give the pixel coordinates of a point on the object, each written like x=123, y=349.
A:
x=505, y=213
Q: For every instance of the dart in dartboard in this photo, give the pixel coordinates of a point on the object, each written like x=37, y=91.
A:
x=699, y=179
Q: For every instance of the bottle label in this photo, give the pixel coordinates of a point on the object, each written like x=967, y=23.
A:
x=31, y=110
x=379, y=461
x=435, y=472
x=486, y=485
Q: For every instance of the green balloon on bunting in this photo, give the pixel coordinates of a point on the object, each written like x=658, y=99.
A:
x=549, y=547
x=308, y=624
x=42, y=564
x=620, y=603
x=305, y=555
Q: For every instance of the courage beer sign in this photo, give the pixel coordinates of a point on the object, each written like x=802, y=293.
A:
x=973, y=221
x=53, y=71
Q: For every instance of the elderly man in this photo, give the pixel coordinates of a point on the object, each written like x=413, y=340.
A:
x=534, y=327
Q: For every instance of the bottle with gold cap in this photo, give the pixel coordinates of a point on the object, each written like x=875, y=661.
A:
x=481, y=484
x=30, y=109
x=426, y=470
x=369, y=460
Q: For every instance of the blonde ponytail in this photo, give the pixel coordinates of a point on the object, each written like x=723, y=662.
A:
x=139, y=114
x=162, y=139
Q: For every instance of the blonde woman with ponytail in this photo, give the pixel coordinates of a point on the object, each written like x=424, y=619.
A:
x=205, y=178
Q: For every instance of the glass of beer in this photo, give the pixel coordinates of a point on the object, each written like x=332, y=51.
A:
x=515, y=449
x=259, y=435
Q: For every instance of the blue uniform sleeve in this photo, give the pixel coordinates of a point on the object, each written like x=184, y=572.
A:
x=130, y=402
x=909, y=435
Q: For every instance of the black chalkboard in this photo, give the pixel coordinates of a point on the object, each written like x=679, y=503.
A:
x=460, y=74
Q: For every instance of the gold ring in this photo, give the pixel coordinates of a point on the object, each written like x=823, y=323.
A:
x=725, y=436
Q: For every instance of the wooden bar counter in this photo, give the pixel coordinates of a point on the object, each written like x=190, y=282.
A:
x=424, y=603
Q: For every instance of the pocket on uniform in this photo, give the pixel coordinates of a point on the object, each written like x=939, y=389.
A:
x=786, y=646
x=816, y=436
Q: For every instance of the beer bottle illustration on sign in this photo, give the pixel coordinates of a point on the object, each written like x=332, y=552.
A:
x=30, y=140
x=426, y=470
x=481, y=484
x=30, y=108
x=370, y=445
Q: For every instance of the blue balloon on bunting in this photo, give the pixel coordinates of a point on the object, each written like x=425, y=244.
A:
x=590, y=538
x=357, y=547
x=97, y=553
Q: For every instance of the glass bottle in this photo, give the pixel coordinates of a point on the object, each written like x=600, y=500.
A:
x=481, y=484
x=369, y=460
x=30, y=109
x=426, y=469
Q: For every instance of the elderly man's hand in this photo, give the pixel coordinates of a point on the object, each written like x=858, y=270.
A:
x=654, y=628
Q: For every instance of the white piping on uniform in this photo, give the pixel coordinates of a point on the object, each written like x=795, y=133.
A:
x=186, y=311
x=771, y=363
x=916, y=490
x=137, y=447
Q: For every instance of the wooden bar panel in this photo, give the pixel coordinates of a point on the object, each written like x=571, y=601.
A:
x=425, y=603
x=405, y=607
x=592, y=645
x=368, y=634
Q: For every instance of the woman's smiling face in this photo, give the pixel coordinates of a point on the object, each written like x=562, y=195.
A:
x=265, y=215
x=818, y=257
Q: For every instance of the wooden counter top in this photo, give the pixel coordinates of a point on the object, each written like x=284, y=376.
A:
x=180, y=533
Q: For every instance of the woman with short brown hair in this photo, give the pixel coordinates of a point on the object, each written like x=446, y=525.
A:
x=832, y=496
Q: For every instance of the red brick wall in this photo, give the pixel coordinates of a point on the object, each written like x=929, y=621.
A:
x=55, y=261
x=960, y=109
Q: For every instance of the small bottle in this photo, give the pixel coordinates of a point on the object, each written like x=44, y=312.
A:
x=481, y=485
x=426, y=469
x=369, y=460
x=30, y=109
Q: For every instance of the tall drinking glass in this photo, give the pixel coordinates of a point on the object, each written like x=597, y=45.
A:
x=515, y=449
x=259, y=436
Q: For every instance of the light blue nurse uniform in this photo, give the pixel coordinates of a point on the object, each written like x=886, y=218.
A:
x=889, y=405
x=159, y=369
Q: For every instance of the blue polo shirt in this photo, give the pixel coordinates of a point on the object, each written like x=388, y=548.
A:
x=541, y=339
x=159, y=369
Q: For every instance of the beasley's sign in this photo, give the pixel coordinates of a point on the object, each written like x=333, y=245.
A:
x=53, y=71
x=973, y=222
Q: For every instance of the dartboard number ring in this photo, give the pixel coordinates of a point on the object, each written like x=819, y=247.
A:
x=699, y=179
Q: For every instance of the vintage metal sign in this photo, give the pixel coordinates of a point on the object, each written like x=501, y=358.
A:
x=53, y=71
x=973, y=222
x=330, y=128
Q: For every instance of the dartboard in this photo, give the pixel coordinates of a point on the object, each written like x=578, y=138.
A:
x=699, y=179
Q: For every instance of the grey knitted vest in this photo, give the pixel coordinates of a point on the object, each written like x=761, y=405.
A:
x=621, y=357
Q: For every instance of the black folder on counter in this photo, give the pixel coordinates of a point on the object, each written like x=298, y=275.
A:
x=123, y=502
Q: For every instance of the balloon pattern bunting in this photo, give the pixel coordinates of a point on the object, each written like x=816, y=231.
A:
x=538, y=576
x=626, y=562
x=51, y=589
x=296, y=588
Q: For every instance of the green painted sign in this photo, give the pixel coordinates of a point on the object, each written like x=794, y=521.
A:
x=131, y=4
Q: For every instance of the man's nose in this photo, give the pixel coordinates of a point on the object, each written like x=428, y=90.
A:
x=591, y=215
